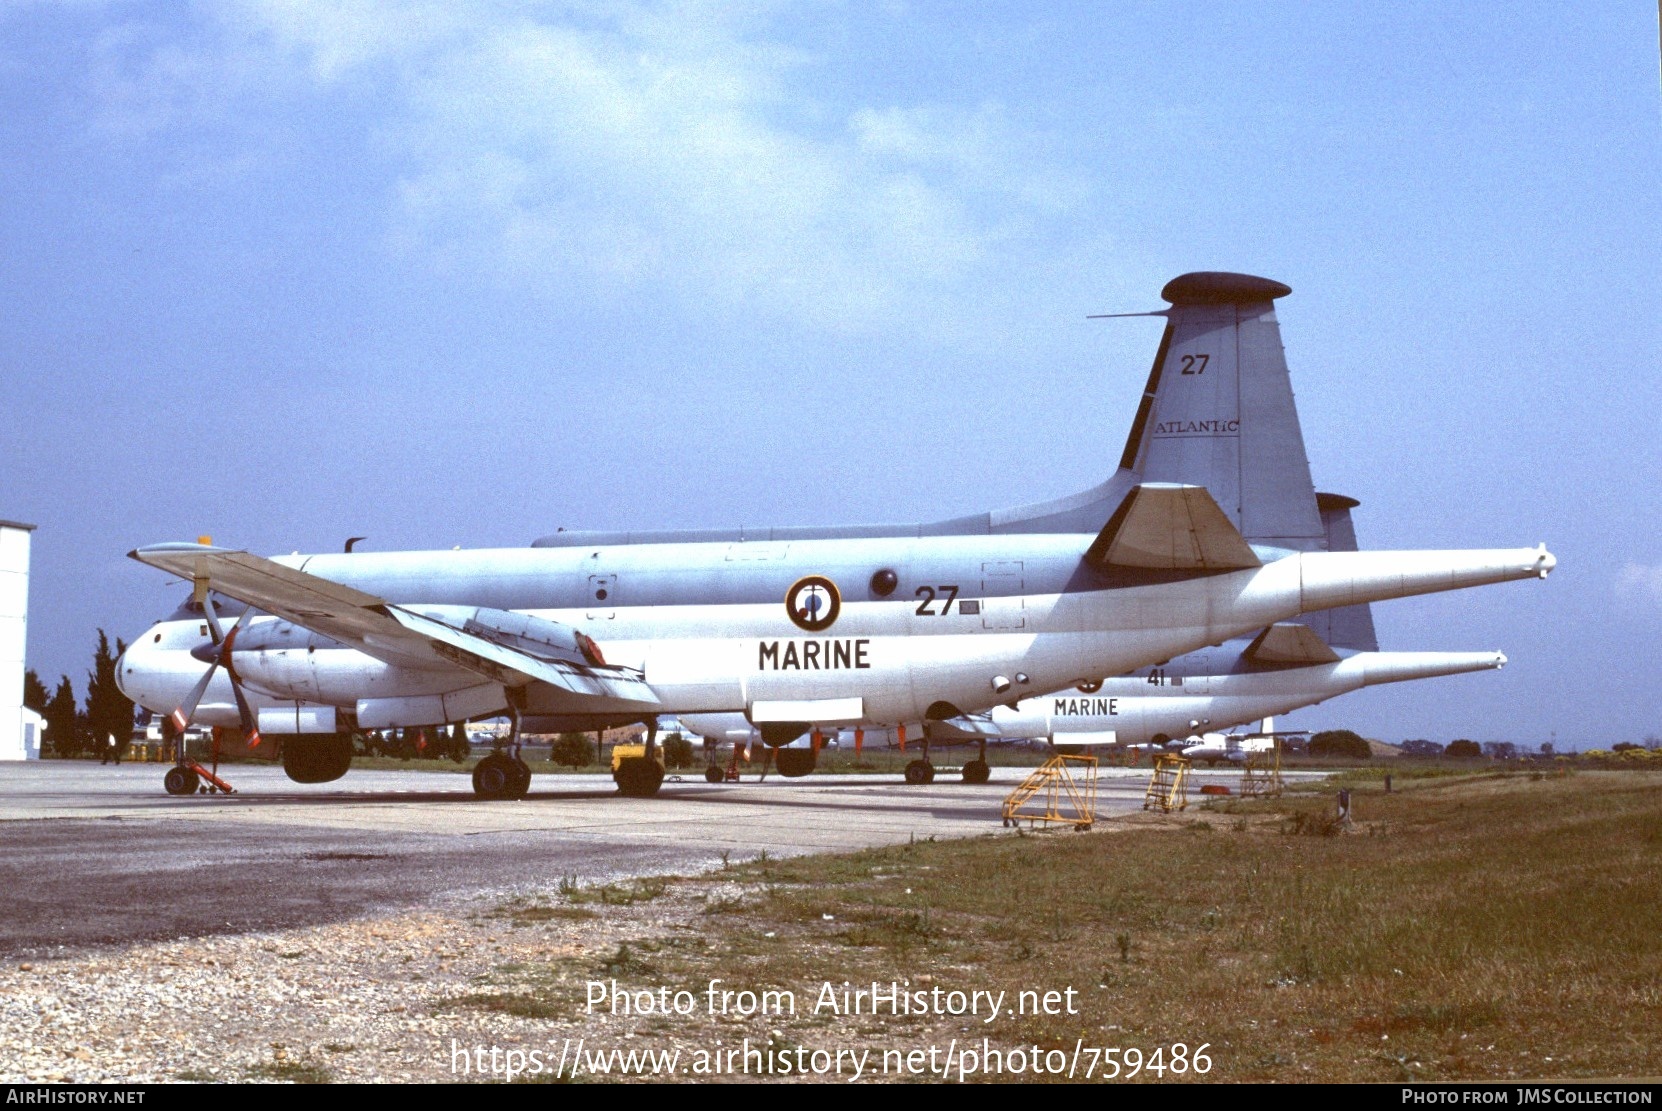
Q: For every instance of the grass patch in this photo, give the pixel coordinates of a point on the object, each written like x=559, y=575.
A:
x=289, y=1070
x=1491, y=927
x=642, y=890
x=519, y=1004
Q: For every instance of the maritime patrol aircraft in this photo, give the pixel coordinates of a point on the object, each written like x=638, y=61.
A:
x=1162, y=707
x=1228, y=425
x=792, y=627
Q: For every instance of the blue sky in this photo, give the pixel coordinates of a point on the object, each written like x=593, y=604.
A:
x=289, y=272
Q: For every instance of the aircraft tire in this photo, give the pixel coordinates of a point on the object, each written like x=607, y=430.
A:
x=714, y=774
x=794, y=763
x=639, y=778
x=919, y=772
x=977, y=771
x=494, y=777
x=181, y=781
x=317, y=759
x=521, y=784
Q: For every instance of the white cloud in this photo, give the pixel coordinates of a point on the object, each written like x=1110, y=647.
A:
x=563, y=146
x=1636, y=578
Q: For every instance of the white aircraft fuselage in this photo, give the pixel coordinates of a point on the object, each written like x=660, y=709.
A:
x=1158, y=705
x=970, y=623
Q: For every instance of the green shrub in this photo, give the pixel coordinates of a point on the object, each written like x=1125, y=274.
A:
x=1340, y=742
x=678, y=751
x=572, y=750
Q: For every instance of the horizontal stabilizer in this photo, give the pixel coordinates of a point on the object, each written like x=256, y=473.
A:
x=1167, y=527
x=1290, y=644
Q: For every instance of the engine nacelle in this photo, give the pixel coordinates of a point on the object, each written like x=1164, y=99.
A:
x=315, y=758
x=535, y=636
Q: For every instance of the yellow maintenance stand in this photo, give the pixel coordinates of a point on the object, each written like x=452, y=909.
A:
x=1067, y=786
x=1261, y=776
x=1168, y=787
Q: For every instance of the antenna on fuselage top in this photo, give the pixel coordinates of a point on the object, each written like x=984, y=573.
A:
x=351, y=541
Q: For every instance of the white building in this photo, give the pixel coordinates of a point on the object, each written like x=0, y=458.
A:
x=20, y=729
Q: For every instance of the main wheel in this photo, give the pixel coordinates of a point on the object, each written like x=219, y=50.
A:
x=919, y=772
x=977, y=771
x=714, y=774
x=181, y=781
x=638, y=778
x=794, y=763
x=317, y=758
x=521, y=778
x=494, y=777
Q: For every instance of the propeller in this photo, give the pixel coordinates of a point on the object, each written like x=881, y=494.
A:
x=223, y=642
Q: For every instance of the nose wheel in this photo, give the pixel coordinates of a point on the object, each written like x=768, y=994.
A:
x=181, y=781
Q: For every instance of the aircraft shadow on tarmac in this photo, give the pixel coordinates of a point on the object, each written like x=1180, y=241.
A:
x=687, y=793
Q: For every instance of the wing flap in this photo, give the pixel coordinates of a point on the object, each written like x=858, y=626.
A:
x=1167, y=527
x=1290, y=644
x=620, y=687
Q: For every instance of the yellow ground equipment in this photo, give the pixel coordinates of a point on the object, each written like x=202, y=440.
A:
x=1261, y=777
x=1067, y=786
x=1168, y=787
x=621, y=753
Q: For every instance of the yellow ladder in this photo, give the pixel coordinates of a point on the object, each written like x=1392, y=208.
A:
x=1067, y=785
x=1261, y=777
x=1168, y=787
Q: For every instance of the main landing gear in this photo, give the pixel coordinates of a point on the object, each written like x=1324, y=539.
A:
x=502, y=774
x=639, y=777
x=921, y=771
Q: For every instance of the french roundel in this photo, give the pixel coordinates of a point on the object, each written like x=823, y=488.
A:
x=813, y=603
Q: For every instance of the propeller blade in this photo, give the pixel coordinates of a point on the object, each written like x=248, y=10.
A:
x=212, y=613
x=250, y=724
x=186, y=709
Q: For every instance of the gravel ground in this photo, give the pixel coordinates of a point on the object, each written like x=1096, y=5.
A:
x=371, y=999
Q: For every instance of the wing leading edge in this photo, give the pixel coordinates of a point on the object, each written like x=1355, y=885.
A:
x=396, y=634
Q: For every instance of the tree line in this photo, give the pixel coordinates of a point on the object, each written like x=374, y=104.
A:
x=73, y=728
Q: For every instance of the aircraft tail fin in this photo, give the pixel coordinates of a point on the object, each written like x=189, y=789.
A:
x=1218, y=410
x=1348, y=627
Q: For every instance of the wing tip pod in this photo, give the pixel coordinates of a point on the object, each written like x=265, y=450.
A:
x=153, y=554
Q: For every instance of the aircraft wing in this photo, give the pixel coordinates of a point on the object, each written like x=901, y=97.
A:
x=387, y=632
x=1290, y=644
x=1162, y=526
